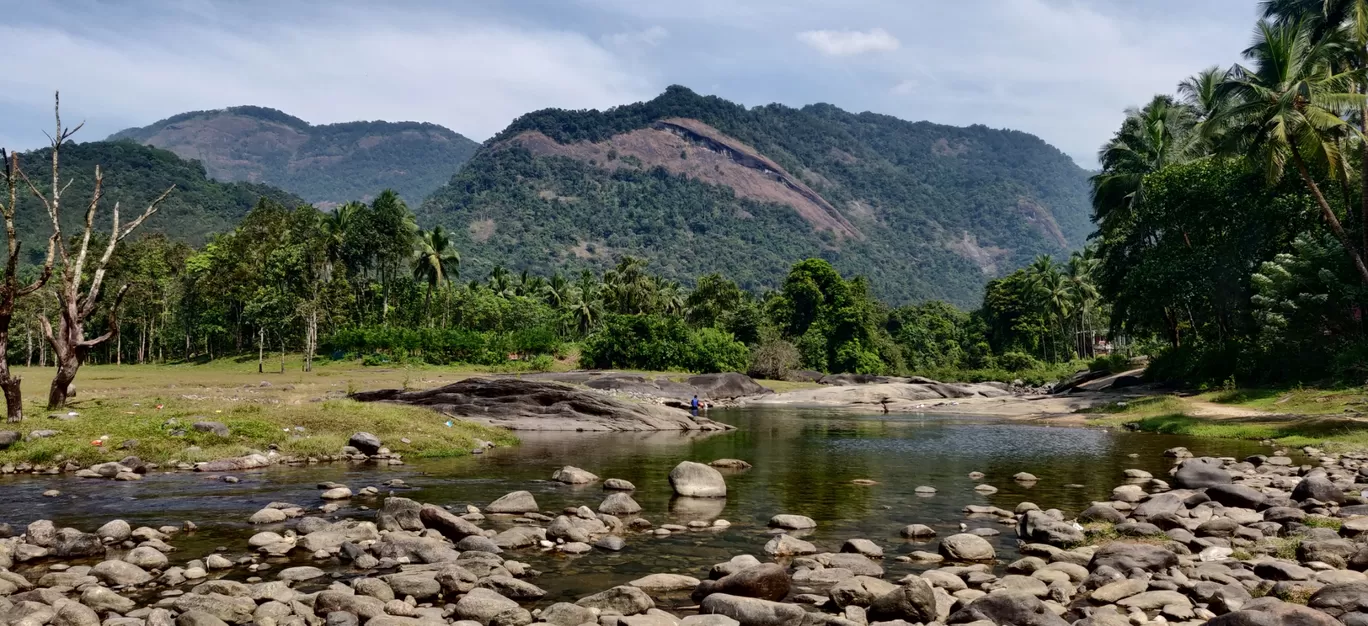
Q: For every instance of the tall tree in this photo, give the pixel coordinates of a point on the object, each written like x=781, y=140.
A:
x=437, y=261
x=1151, y=138
x=77, y=299
x=1290, y=106
x=11, y=290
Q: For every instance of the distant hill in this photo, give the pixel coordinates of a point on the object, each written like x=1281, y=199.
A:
x=134, y=175
x=326, y=164
x=699, y=184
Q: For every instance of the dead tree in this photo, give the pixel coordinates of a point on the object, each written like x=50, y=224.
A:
x=74, y=305
x=10, y=288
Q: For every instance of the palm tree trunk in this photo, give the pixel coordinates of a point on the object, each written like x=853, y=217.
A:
x=1329, y=214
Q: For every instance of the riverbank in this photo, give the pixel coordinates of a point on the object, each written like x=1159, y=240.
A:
x=149, y=411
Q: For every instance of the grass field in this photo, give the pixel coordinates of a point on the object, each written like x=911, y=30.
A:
x=135, y=402
x=1289, y=417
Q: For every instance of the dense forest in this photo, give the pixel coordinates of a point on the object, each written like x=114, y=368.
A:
x=135, y=174
x=1232, y=215
x=326, y=163
x=924, y=211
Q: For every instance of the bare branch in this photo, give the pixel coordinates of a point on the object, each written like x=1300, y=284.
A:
x=45, y=275
x=151, y=209
x=113, y=322
x=89, y=224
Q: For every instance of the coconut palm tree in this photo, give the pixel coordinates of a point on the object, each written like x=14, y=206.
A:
x=1151, y=138
x=437, y=261
x=627, y=288
x=1290, y=106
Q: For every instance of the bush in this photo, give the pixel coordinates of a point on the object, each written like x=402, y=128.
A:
x=1014, y=361
x=1114, y=363
x=652, y=342
x=443, y=346
x=774, y=360
x=713, y=350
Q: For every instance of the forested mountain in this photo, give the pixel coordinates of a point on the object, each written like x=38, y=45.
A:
x=134, y=175
x=699, y=184
x=327, y=164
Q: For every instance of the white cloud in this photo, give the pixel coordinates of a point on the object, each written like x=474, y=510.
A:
x=470, y=75
x=840, y=43
x=652, y=36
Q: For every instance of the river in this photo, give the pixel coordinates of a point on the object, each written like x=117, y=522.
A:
x=804, y=463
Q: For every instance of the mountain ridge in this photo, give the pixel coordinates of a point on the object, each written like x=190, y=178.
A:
x=327, y=164
x=700, y=184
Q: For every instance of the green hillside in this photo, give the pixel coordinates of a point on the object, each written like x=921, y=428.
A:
x=134, y=175
x=328, y=163
x=698, y=184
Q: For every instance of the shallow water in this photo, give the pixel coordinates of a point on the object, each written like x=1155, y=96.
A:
x=804, y=462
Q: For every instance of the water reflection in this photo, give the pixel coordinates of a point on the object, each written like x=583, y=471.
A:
x=804, y=462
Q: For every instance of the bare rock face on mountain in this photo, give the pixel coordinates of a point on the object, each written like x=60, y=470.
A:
x=519, y=404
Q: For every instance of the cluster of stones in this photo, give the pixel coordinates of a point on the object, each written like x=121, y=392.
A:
x=362, y=447
x=1227, y=542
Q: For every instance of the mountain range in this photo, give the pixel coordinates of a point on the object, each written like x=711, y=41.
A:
x=327, y=164
x=694, y=183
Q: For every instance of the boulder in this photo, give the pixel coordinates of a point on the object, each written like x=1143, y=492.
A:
x=1200, y=473
x=366, y=443
x=617, y=484
x=696, y=480
x=524, y=404
x=219, y=429
x=792, y=522
x=1318, y=487
x=768, y=581
x=1239, y=496
x=9, y=438
x=71, y=543
x=451, y=526
x=786, y=545
x=665, y=582
x=726, y=386
x=1270, y=612
x=482, y=605
x=623, y=599
x=967, y=547
x=752, y=611
x=567, y=614
x=619, y=504
x=572, y=475
x=860, y=591
x=1038, y=527
x=1336, y=600
x=235, y=464
x=117, y=573
x=234, y=610
x=115, y=530
x=515, y=503
x=1125, y=557
x=914, y=601
x=1018, y=609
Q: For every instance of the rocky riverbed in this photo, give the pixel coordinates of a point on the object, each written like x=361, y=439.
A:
x=1260, y=540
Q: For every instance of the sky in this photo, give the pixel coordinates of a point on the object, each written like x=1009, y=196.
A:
x=1064, y=70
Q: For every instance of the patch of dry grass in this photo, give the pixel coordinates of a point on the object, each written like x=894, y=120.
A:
x=302, y=413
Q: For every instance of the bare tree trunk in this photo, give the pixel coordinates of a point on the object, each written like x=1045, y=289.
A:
x=282, y=353
x=261, y=350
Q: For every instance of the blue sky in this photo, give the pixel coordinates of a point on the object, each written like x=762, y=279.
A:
x=1061, y=69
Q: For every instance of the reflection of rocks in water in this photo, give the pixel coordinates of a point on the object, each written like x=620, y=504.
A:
x=690, y=509
x=537, y=443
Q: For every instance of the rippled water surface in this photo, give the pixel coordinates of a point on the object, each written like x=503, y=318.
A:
x=804, y=463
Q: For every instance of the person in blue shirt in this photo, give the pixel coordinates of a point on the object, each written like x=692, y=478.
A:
x=693, y=406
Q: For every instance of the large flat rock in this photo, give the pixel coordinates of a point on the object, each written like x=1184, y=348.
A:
x=520, y=404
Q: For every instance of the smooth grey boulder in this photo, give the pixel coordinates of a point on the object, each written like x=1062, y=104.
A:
x=624, y=599
x=619, y=504
x=366, y=443
x=696, y=480
x=515, y=503
x=1318, y=487
x=967, y=547
x=752, y=611
x=1200, y=473
x=768, y=581
x=914, y=601
x=1018, y=609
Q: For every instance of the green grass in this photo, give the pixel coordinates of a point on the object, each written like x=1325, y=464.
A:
x=120, y=403
x=1317, y=521
x=1297, y=401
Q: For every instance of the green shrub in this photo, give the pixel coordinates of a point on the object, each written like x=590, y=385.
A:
x=1017, y=361
x=1114, y=363
x=652, y=342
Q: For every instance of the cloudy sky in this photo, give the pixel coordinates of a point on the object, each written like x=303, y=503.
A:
x=1061, y=69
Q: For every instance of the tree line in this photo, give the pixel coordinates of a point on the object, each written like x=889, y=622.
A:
x=1232, y=215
